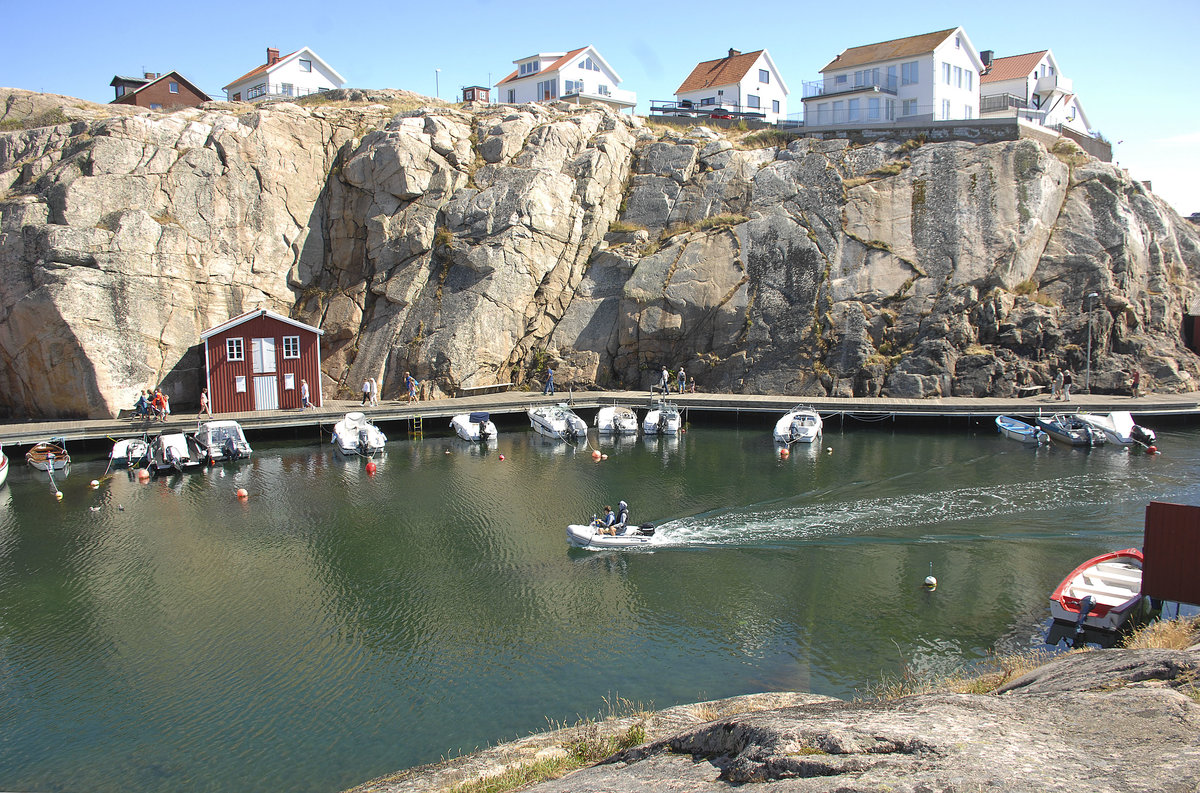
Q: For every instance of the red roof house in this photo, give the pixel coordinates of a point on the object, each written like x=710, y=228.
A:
x=157, y=91
x=259, y=361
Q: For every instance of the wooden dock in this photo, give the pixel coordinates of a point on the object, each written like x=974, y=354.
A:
x=514, y=404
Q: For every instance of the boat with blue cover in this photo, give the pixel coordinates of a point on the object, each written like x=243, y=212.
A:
x=1018, y=430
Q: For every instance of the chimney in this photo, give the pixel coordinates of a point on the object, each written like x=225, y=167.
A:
x=986, y=57
x=733, y=52
x=272, y=55
x=150, y=75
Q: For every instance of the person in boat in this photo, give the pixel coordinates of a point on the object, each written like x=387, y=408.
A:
x=606, y=523
x=622, y=516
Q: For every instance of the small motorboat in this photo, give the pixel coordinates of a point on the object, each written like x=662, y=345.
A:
x=174, y=451
x=662, y=419
x=130, y=453
x=475, y=427
x=1102, y=592
x=222, y=441
x=3, y=468
x=557, y=421
x=801, y=424
x=1068, y=428
x=629, y=537
x=616, y=420
x=356, y=435
x=49, y=455
x=1018, y=430
x=1119, y=427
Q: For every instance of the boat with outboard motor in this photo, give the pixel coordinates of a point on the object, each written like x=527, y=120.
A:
x=557, y=421
x=1018, y=430
x=1119, y=427
x=589, y=536
x=130, y=452
x=475, y=427
x=223, y=441
x=662, y=419
x=1069, y=429
x=616, y=420
x=174, y=451
x=801, y=424
x=356, y=435
x=49, y=455
x=1102, y=592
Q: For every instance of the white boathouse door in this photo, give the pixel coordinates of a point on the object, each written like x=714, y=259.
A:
x=266, y=386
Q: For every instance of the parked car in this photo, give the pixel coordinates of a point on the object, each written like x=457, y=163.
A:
x=720, y=114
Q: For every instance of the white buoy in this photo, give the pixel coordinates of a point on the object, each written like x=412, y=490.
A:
x=95, y=483
x=930, y=581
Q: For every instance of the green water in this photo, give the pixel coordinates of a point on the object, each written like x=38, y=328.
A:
x=337, y=626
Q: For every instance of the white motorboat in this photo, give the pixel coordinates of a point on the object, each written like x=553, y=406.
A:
x=130, y=452
x=174, y=451
x=476, y=426
x=49, y=455
x=1119, y=427
x=1102, y=592
x=662, y=419
x=1018, y=430
x=616, y=420
x=801, y=424
x=1069, y=429
x=356, y=435
x=3, y=468
x=630, y=537
x=223, y=441
x=557, y=421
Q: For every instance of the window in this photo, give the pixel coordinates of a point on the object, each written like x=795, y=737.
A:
x=958, y=42
x=823, y=116
x=852, y=110
x=891, y=78
x=155, y=106
x=840, y=79
x=256, y=91
x=547, y=89
x=173, y=87
x=946, y=73
x=908, y=73
x=512, y=96
x=751, y=100
x=530, y=68
x=602, y=89
x=286, y=89
x=889, y=109
x=237, y=97
x=958, y=76
x=970, y=80
x=774, y=105
x=120, y=91
x=239, y=384
x=945, y=109
x=908, y=107
x=967, y=111
x=873, y=108
x=589, y=64
x=305, y=66
x=839, y=112
x=572, y=86
x=291, y=346
x=764, y=76
x=866, y=77
x=1036, y=99
x=289, y=381
x=708, y=100
x=234, y=350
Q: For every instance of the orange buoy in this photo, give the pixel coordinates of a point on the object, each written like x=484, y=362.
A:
x=1151, y=450
x=784, y=453
x=371, y=467
x=143, y=474
x=502, y=458
x=242, y=494
x=596, y=454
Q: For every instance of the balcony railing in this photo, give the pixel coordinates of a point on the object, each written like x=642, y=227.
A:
x=1052, y=82
x=719, y=109
x=830, y=87
x=995, y=103
x=619, y=95
x=265, y=91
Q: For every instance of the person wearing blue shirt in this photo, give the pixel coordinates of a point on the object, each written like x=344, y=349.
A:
x=549, y=389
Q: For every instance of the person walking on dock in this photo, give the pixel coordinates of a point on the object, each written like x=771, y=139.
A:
x=366, y=392
x=204, y=403
x=304, y=400
x=410, y=385
x=549, y=389
x=664, y=382
x=374, y=391
x=1135, y=380
x=1056, y=388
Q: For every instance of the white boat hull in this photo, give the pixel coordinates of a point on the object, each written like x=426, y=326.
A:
x=1119, y=427
x=223, y=441
x=556, y=421
x=661, y=421
x=3, y=468
x=356, y=436
x=474, y=431
x=129, y=452
x=174, y=452
x=48, y=457
x=587, y=537
x=802, y=425
x=1113, y=581
x=615, y=420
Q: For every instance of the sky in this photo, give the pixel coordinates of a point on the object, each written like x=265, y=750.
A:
x=1128, y=61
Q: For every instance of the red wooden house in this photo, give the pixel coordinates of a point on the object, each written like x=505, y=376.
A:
x=257, y=361
x=157, y=91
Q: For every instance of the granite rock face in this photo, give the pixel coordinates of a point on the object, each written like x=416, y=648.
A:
x=473, y=246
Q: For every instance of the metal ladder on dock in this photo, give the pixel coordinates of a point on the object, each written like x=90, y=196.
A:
x=416, y=427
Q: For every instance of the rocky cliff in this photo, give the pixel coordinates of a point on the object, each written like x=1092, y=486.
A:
x=475, y=245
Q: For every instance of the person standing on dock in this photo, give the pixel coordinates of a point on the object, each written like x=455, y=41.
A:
x=410, y=385
x=549, y=389
x=664, y=382
x=374, y=391
x=305, y=403
x=681, y=380
x=1135, y=380
x=204, y=403
x=1066, y=385
x=1056, y=388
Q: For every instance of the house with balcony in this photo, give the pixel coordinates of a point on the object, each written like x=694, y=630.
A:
x=738, y=85
x=285, y=77
x=580, y=77
x=157, y=91
x=930, y=77
x=1030, y=87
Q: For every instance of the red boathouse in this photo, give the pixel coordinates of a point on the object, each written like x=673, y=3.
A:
x=257, y=361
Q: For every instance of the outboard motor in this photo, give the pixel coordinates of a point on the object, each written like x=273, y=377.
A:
x=646, y=529
x=230, y=449
x=1142, y=435
x=364, y=441
x=1085, y=608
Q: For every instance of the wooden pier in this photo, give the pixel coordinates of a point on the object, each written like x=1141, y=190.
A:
x=513, y=404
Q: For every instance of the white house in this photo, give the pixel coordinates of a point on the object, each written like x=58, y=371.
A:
x=1032, y=88
x=294, y=75
x=580, y=76
x=931, y=77
x=739, y=82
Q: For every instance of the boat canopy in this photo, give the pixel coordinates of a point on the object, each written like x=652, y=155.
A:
x=479, y=417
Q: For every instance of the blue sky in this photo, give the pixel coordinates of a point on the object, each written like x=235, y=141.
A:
x=1129, y=61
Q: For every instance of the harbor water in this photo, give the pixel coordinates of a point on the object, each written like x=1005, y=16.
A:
x=337, y=625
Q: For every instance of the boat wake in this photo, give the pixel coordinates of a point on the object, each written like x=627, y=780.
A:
x=824, y=519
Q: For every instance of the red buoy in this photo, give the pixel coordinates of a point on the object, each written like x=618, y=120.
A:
x=784, y=453
x=1151, y=450
x=502, y=458
x=371, y=467
x=242, y=494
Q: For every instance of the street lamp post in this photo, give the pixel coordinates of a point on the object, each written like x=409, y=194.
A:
x=437, y=88
x=1087, y=380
